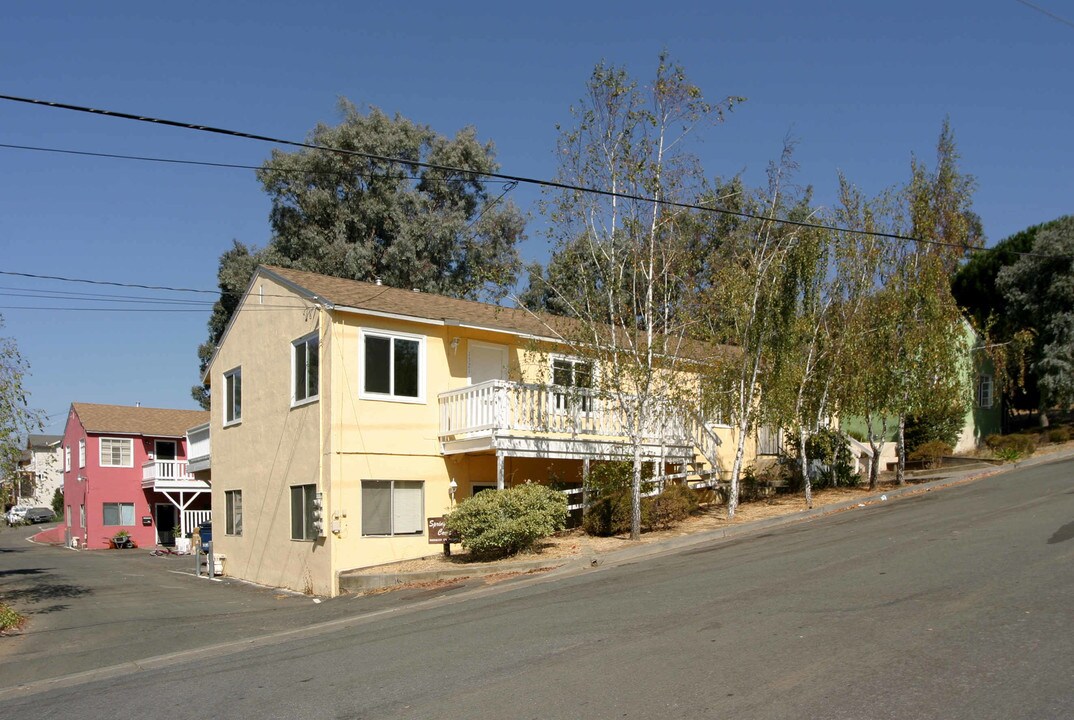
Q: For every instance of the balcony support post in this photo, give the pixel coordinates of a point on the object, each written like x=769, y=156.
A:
x=499, y=469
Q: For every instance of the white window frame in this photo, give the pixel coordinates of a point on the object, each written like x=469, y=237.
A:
x=309, y=534
x=230, y=418
x=119, y=510
x=230, y=526
x=304, y=342
x=101, y=456
x=82, y=453
x=392, y=335
x=391, y=510
x=985, y=381
x=564, y=406
x=67, y=458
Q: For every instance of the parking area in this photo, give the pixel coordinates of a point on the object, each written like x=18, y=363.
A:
x=94, y=609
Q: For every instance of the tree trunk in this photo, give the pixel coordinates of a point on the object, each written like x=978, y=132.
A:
x=736, y=471
x=900, y=468
x=1044, y=421
x=805, y=468
x=874, y=466
x=635, y=496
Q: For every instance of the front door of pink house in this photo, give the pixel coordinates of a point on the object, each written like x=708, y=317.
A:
x=166, y=519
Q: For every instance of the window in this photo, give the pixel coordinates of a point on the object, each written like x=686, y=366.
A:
x=393, y=507
x=82, y=516
x=67, y=458
x=576, y=374
x=233, y=396
x=984, y=391
x=393, y=367
x=233, y=512
x=116, y=452
x=82, y=453
x=305, y=355
x=304, y=512
x=119, y=513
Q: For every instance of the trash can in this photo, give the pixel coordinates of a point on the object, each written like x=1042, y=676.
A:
x=205, y=532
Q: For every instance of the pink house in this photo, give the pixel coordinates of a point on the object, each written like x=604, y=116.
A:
x=125, y=468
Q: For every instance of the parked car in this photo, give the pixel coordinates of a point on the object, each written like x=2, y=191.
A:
x=39, y=515
x=16, y=514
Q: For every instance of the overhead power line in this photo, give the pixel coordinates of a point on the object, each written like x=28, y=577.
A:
x=486, y=174
x=1049, y=13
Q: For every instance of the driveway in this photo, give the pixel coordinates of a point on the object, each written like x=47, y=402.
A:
x=94, y=609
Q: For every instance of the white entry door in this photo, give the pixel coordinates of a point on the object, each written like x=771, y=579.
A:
x=486, y=361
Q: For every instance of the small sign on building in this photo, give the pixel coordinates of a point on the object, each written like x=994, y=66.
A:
x=438, y=534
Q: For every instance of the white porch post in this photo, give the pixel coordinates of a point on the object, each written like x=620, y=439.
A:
x=585, y=483
x=499, y=470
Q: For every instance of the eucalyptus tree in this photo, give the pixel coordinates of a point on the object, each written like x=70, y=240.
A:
x=619, y=254
x=17, y=418
x=372, y=209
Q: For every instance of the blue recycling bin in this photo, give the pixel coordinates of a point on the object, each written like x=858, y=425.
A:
x=205, y=532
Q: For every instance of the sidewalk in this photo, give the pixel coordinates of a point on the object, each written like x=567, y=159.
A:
x=363, y=581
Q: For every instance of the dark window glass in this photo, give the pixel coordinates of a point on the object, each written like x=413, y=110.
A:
x=406, y=368
x=378, y=364
x=314, y=366
x=376, y=507
x=300, y=372
x=297, y=514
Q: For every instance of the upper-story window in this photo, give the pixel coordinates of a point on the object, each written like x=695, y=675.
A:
x=67, y=458
x=305, y=356
x=984, y=391
x=117, y=452
x=233, y=396
x=82, y=453
x=577, y=375
x=392, y=366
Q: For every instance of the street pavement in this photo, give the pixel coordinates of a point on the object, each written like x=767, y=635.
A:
x=952, y=604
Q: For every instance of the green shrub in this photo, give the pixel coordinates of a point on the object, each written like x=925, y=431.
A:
x=831, y=448
x=9, y=619
x=944, y=426
x=930, y=453
x=608, y=486
x=1011, y=447
x=504, y=522
x=673, y=505
x=57, y=502
x=1059, y=435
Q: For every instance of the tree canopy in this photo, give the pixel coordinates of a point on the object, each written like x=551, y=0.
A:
x=354, y=216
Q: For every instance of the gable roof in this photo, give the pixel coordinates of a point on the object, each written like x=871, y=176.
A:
x=359, y=295
x=127, y=420
x=42, y=441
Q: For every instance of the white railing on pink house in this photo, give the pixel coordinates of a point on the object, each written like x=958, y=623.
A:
x=164, y=471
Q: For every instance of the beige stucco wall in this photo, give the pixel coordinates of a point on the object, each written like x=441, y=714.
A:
x=274, y=446
x=344, y=438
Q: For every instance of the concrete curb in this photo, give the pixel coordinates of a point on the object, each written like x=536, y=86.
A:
x=360, y=583
x=367, y=582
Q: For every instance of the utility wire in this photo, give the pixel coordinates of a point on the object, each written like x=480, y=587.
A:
x=487, y=174
x=1049, y=13
x=206, y=163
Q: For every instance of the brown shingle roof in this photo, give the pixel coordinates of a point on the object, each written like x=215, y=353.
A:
x=381, y=298
x=156, y=422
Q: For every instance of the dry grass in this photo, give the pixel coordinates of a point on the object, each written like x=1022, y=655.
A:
x=575, y=543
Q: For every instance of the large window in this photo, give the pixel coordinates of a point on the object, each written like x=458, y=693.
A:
x=305, y=354
x=116, y=452
x=233, y=512
x=233, y=396
x=393, y=507
x=119, y=514
x=984, y=391
x=304, y=512
x=82, y=453
x=67, y=458
x=576, y=375
x=393, y=367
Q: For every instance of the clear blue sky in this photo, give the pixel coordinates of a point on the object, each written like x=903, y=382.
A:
x=861, y=85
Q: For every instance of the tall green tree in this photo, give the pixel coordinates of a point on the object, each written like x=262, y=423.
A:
x=445, y=232
x=17, y=418
x=1039, y=289
x=618, y=256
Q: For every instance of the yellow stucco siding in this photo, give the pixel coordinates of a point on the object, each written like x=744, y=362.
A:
x=273, y=447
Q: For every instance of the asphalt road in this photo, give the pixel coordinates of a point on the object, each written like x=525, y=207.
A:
x=955, y=604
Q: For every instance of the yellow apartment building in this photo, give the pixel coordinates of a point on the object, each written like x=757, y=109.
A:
x=345, y=415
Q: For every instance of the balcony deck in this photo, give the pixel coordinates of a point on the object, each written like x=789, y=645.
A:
x=170, y=476
x=528, y=420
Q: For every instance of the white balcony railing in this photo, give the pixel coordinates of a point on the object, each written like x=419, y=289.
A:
x=502, y=406
x=165, y=471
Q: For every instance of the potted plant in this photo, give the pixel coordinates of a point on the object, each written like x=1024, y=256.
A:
x=122, y=539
